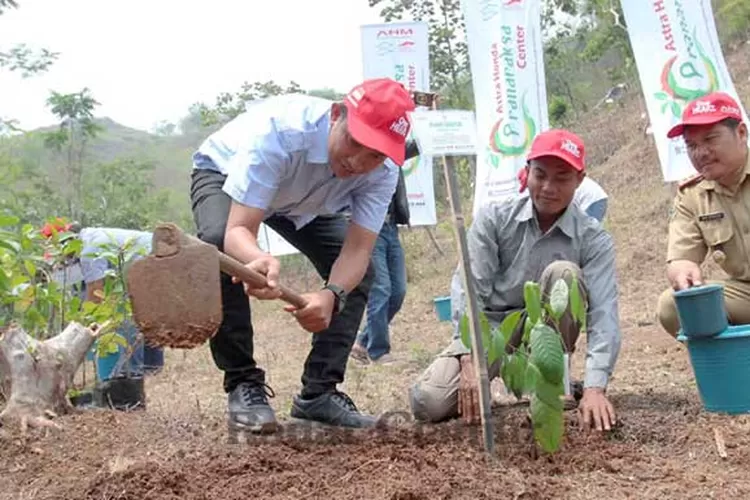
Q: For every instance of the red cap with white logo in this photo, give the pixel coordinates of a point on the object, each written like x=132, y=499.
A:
x=559, y=143
x=707, y=110
x=377, y=116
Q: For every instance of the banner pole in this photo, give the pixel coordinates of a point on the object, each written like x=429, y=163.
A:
x=477, y=349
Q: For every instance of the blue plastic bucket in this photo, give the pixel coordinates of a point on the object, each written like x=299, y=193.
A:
x=701, y=310
x=105, y=366
x=721, y=365
x=112, y=366
x=443, y=308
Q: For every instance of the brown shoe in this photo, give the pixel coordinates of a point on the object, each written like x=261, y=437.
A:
x=359, y=353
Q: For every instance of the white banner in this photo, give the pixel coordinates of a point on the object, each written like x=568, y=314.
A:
x=679, y=59
x=401, y=51
x=510, y=93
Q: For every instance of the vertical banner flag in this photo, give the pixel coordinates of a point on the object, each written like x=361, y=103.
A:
x=401, y=51
x=679, y=59
x=510, y=93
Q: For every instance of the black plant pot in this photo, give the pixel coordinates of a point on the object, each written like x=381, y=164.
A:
x=121, y=393
x=84, y=399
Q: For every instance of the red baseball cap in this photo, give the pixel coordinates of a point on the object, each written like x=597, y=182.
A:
x=377, y=116
x=707, y=110
x=559, y=143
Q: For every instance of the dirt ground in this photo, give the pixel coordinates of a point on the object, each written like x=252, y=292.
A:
x=664, y=446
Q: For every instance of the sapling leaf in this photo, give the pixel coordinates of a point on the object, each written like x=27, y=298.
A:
x=30, y=267
x=463, y=328
x=10, y=245
x=547, y=353
x=532, y=300
x=577, y=307
x=509, y=325
x=497, y=346
x=486, y=330
x=514, y=374
x=549, y=393
x=532, y=376
x=527, y=326
x=548, y=424
x=8, y=220
x=558, y=300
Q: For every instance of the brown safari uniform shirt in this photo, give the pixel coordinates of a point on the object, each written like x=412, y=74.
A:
x=710, y=220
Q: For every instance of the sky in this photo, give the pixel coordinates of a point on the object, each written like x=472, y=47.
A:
x=149, y=60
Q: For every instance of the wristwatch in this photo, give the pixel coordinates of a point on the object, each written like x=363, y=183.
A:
x=339, y=295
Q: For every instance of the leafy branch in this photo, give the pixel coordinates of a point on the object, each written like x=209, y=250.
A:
x=537, y=366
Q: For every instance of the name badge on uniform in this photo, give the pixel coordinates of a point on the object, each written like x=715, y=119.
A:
x=710, y=217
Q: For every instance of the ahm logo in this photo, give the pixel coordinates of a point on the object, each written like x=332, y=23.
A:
x=570, y=147
x=703, y=107
x=400, y=126
x=508, y=3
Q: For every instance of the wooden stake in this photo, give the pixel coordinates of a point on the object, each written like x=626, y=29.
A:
x=477, y=349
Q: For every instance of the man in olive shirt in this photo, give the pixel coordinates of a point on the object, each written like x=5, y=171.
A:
x=711, y=213
x=541, y=237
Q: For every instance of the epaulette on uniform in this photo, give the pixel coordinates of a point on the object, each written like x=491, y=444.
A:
x=690, y=181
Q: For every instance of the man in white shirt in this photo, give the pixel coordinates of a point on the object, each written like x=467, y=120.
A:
x=296, y=163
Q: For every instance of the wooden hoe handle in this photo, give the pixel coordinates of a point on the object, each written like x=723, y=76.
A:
x=235, y=268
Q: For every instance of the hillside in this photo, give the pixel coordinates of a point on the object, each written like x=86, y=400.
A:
x=170, y=154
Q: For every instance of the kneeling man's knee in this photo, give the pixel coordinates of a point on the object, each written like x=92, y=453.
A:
x=434, y=396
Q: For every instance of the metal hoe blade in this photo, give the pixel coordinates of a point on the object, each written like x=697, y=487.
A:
x=176, y=293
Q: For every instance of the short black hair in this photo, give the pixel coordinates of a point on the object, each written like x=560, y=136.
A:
x=730, y=123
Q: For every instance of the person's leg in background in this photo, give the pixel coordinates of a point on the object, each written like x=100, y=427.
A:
x=232, y=346
x=372, y=342
x=321, y=241
x=598, y=210
x=397, y=268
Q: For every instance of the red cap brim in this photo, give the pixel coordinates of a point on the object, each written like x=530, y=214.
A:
x=556, y=154
x=375, y=139
x=679, y=129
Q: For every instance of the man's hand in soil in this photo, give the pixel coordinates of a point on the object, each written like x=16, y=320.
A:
x=468, y=391
x=268, y=266
x=316, y=315
x=595, y=410
x=684, y=274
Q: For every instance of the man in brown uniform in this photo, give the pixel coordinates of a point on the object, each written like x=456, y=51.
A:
x=711, y=214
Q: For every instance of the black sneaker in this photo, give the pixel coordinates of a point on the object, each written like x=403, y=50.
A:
x=249, y=409
x=331, y=408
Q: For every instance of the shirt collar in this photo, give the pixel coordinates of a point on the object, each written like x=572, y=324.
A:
x=565, y=222
x=318, y=151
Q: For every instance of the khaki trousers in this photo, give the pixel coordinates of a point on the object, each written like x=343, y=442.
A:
x=434, y=395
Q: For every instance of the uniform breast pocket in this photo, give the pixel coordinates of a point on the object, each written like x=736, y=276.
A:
x=725, y=247
x=717, y=233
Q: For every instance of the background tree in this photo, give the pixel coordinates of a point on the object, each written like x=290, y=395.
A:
x=77, y=127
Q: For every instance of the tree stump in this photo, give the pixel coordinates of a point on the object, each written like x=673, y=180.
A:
x=41, y=372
